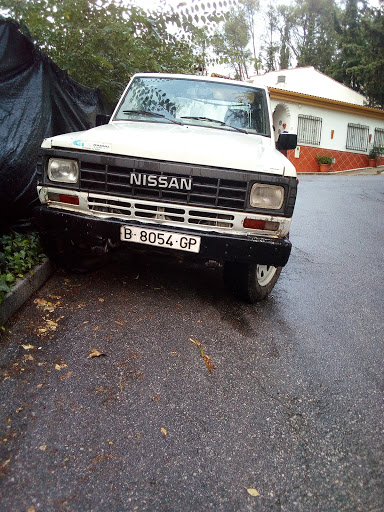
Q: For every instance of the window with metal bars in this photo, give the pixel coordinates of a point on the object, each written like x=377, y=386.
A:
x=357, y=137
x=379, y=137
x=309, y=130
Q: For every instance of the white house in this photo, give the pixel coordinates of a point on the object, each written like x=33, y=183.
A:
x=328, y=117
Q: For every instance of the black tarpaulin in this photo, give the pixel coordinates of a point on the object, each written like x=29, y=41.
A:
x=37, y=100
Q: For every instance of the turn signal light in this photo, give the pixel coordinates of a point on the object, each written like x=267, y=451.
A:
x=260, y=224
x=254, y=224
x=66, y=198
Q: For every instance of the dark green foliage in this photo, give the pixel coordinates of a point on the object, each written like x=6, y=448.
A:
x=231, y=43
x=369, y=67
x=19, y=253
x=344, y=41
x=103, y=43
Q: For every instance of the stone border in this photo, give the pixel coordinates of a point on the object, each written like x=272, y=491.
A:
x=23, y=289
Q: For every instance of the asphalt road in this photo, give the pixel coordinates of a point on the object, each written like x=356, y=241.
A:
x=293, y=410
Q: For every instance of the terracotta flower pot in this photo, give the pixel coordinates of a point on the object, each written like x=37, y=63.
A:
x=324, y=167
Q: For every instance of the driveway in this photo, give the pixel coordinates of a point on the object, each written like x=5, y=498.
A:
x=290, y=419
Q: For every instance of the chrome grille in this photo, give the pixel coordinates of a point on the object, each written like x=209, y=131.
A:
x=133, y=209
x=205, y=191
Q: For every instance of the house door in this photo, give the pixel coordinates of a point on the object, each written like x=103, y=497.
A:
x=281, y=120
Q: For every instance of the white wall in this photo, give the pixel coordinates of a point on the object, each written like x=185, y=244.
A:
x=331, y=120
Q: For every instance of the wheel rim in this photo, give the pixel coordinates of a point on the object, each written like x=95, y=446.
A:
x=265, y=274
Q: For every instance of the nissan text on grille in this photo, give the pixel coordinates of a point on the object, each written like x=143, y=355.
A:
x=185, y=163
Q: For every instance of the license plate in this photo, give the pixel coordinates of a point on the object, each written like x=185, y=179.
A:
x=160, y=238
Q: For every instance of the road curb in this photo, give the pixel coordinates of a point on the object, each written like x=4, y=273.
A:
x=23, y=289
x=364, y=171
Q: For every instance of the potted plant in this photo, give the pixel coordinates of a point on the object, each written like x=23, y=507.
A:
x=324, y=162
x=373, y=155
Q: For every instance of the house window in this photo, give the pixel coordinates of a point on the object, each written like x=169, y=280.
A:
x=309, y=130
x=357, y=137
x=379, y=137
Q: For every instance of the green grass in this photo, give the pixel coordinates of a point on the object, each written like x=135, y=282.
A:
x=19, y=253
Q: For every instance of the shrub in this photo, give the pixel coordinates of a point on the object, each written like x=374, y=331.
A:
x=324, y=159
x=375, y=152
x=19, y=253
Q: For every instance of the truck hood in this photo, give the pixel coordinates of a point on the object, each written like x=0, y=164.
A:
x=175, y=143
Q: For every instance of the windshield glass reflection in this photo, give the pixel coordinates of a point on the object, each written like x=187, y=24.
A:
x=195, y=102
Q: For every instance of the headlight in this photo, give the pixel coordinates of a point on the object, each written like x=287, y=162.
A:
x=60, y=169
x=270, y=197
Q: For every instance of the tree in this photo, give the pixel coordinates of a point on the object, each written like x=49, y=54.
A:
x=231, y=43
x=314, y=33
x=250, y=9
x=284, y=27
x=271, y=47
x=101, y=43
x=351, y=43
x=366, y=60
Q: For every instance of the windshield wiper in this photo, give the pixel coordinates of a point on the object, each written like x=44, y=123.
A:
x=155, y=114
x=200, y=118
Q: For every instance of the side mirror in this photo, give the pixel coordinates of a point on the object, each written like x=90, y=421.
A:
x=102, y=119
x=286, y=141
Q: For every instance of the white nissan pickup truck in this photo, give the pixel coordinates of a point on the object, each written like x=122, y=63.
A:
x=185, y=163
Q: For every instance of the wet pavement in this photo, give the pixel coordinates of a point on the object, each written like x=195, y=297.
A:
x=293, y=409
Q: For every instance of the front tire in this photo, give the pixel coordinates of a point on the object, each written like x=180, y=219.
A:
x=250, y=282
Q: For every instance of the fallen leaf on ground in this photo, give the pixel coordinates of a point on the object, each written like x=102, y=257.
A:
x=39, y=386
x=119, y=323
x=156, y=398
x=60, y=366
x=96, y=460
x=28, y=346
x=46, y=305
x=253, y=492
x=52, y=325
x=43, y=447
x=4, y=464
x=19, y=409
x=66, y=375
x=206, y=358
x=101, y=300
x=100, y=388
x=195, y=342
x=96, y=353
x=31, y=509
x=163, y=431
x=28, y=357
x=208, y=362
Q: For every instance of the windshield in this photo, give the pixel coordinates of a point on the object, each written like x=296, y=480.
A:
x=196, y=102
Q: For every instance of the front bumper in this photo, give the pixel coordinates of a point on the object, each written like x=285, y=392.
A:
x=214, y=246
